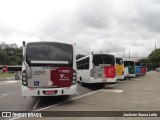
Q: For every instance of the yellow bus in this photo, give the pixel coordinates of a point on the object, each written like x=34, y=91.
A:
x=119, y=68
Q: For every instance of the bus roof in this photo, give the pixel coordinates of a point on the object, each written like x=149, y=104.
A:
x=93, y=54
x=127, y=59
x=119, y=58
x=42, y=42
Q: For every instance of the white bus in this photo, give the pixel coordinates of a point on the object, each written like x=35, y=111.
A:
x=129, y=68
x=48, y=69
x=96, y=68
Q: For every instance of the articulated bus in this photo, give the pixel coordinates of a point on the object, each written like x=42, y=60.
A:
x=48, y=69
x=143, y=69
x=96, y=68
x=137, y=68
x=129, y=68
x=120, y=68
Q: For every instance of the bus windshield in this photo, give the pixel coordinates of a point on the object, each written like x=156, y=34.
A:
x=137, y=63
x=128, y=63
x=119, y=61
x=43, y=53
x=103, y=59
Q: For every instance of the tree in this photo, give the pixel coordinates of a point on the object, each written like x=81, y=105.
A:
x=154, y=58
x=11, y=56
x=2, y=57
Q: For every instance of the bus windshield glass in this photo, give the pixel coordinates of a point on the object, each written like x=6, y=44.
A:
x=128, y=63
x=119, y=61
x=43, y=53
x=103, y=59
x=137, y=63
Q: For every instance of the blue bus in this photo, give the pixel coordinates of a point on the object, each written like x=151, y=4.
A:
x=137, y=68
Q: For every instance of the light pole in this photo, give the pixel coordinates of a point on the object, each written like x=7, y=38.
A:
x=5, y=58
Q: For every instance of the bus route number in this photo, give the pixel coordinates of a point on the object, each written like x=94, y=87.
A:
x=64, y=71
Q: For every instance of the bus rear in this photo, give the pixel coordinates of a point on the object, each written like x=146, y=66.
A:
x=143, y=69
x=129, y=71
x=103, y=68
x=48, y=69
x=137, y=68
x=120, y=68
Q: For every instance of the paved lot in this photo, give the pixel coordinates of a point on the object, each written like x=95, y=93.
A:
x=138, y=94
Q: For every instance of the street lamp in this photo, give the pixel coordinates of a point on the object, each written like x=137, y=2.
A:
x=5, y=58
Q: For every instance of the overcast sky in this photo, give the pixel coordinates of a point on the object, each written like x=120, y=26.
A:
x=94, y=25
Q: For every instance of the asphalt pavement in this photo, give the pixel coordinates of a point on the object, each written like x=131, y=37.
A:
x=138, y=94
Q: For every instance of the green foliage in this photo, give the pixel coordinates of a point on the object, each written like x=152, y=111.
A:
x=153, y=60
x=11, y=56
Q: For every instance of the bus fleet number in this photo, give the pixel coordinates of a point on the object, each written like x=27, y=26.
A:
x=64, y=71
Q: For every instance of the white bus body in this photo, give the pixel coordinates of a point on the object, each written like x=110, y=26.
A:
x=96, y=68
x=48, y=69
x=129, y=68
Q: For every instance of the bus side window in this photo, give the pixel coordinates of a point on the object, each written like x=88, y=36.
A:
x=86, y=66
x=87, y=63
x=79, y=66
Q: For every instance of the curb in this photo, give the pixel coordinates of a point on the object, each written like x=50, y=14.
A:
x=5, y=79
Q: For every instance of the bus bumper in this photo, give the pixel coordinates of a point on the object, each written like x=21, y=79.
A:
x=131, y=76
x=120, y=77
x=49, y=91
x=103, y=80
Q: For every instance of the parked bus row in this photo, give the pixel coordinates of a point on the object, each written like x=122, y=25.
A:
x=51, y=69
x=127, y=68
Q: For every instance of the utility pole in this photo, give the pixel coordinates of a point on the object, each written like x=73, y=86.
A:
x=107, y=51
x=5, y=58
x=155, y=45
x=129, y=54
x=123, y=53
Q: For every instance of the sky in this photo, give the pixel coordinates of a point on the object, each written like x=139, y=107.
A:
x=93, y=25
